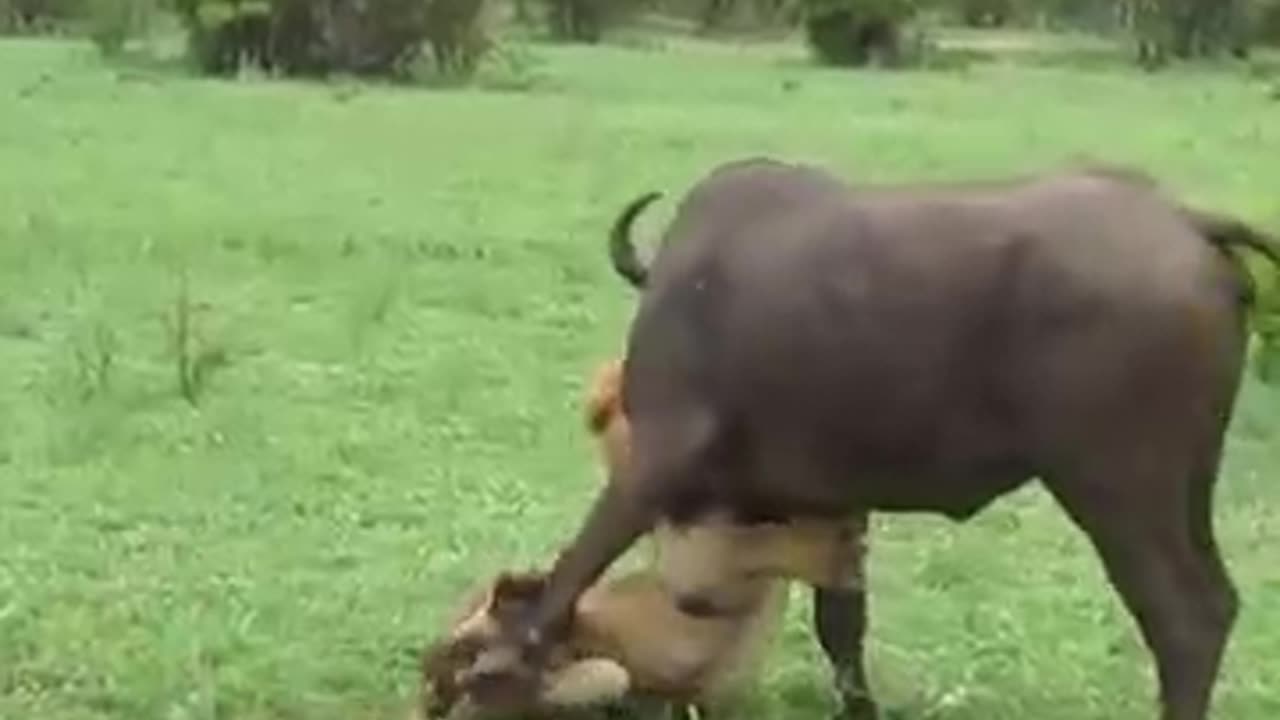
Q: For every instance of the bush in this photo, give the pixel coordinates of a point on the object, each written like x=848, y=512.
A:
x=586, y=20
x=34, y=16
x=576, y=20
x=456, y=33
x=733, y=14
x=856, y=32
x=112, y=23
x=1187, y=29
x=224, y=35
x=1266, y=23
x=380, y=37
x=320, y=37
x=986, y=13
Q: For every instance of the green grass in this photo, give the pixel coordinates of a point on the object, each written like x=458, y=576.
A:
x=411, y=287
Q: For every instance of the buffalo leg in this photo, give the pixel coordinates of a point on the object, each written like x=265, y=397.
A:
x=1150, y=524
x=1201, y=519
x=840, y=622
x=665, y=462
x=617, y=518
x=840, y=618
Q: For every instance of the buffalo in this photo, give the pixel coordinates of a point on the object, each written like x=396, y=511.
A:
x=807, y=347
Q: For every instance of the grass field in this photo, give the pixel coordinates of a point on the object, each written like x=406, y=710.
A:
x=409, y=288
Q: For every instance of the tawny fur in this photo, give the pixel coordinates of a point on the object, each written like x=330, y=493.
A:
x=627, y=636
x=629, y=624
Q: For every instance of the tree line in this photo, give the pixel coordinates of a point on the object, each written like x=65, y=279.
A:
x=387, y=37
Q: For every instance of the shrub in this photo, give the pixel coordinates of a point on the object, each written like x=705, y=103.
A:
x=456, y=33
x=1187, y=29
x=586, y=20
x=381, y=37
x=319, y=37
x=1266, y=23
x=33, y=16
x=576, y=20
x=711, y=15
x=112, y=23
x=983, y=13
x=856, y=32
x=223, y=35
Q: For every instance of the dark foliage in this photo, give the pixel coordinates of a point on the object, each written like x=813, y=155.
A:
x=320, y=37
x=855, y=33
x=37, y=16
x=223, y=36
x=455, y=31
x=986, y=13
x=112, y=23
x=1186, y=29
x=575, y=20
x=585, y=21
x=717, y=14
x=1265, y=23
